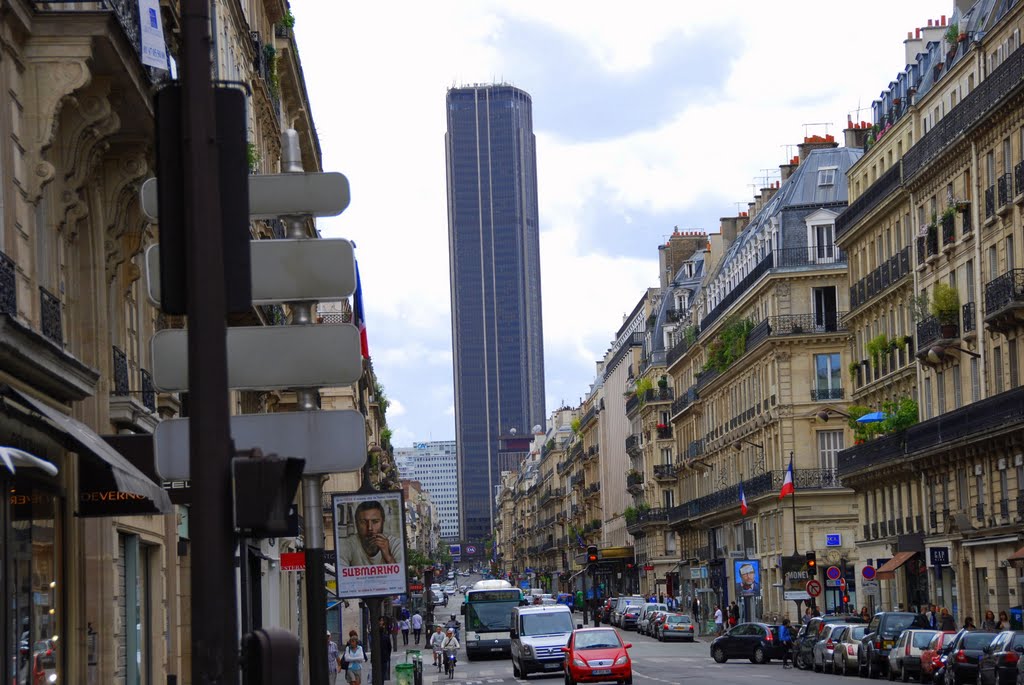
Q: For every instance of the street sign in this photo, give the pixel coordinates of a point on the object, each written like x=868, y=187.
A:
x=268, y=357
x=870, y=587
x=293, y=561
x=833, y=573
x=285, y=270
x=868, y=572
x=272, y=196
x=813, y=588
x=329, y=441
x=470, y=550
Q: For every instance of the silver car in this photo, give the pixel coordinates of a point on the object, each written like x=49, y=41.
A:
x=822, y=652
x=676, y=627
x=845, y=655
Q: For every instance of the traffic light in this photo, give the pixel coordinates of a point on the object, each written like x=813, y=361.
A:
x=592, y=554
x=812, y=564
x=846, y=599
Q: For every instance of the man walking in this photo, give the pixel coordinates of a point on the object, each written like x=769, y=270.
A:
x=718, y=620
x=417, y=626
x=333, y=660
x=695, y=613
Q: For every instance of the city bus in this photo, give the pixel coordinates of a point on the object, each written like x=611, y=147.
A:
x=488, y=610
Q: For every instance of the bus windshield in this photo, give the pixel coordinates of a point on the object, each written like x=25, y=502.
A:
x=486, y=617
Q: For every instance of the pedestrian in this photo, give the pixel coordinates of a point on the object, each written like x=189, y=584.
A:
x=354, y=657
x=1004, y=621
x=808, y=615
x=989, y=622
x=816, y=612
x=417, y=626
x=718, y=620
x=946, y=622
x=695, y=613
x=786, y=640
x=333, y=660
x=969, y=623
x=404, y=626
x=384, y=634
x=865, y=615
x=933, y=617
x=734, y=614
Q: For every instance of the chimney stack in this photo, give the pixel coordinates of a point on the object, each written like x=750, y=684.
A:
x=680, y=247
x=788, y=168
x=856, y=134
x=827, y=141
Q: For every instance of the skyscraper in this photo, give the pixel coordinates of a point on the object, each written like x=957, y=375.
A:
x=434, y=465
x=494, y=256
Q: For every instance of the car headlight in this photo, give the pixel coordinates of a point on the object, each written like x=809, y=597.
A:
x=624, y=659
x=527, y=650
x=579, y=662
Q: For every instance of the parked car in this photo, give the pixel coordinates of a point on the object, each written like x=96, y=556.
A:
x=905, y=655
x=644, y=617
x=808, y=636
x=998, y=665
x=932, y=656
x=883, y=630
x=758, y=642
x=821, y=653
x=622, y=604
x=675, y=627
x=964, y=654
x=595, y=655
x=847, y=647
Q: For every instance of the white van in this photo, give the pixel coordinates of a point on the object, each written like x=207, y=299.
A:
x=538, y=634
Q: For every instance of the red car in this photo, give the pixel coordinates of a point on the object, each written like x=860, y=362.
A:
x=931, y=656
x=597, y=655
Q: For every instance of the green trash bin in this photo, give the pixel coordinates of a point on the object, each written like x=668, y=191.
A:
x=404, y=674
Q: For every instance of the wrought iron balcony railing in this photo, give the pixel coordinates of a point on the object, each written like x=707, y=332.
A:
x=826, y=394
x=875, y=194
x=50, y=317
x=1004, y=292
x=930, y=331
x=664, y=471
x=1005, y=185
x=737, y=292
x=990, y=202
x=684, y=400
x=1018, y=178
x=969, y=314
x=948, y=230
x=121, y=386
x=8, y=286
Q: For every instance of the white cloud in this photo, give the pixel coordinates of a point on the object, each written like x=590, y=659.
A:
x=395, y=408
x=377, y=74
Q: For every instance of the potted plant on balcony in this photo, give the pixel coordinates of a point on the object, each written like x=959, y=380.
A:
x=853, y=368
x=876, y=347
x=945, y=308
x=663, y=382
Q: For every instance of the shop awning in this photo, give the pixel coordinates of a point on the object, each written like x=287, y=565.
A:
x=888, y=569
x=1017, y=558
x=109, y=484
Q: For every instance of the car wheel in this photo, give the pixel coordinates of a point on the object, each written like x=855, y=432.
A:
x=827, y=667
x=760, y=657
x=872, y=671
x=629, y=680
x=800, y=662
x=718, y=654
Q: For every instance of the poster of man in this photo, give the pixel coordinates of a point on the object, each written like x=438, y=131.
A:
x=748, y=578
x=369, y=544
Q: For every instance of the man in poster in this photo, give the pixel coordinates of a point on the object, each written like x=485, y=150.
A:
x=747, y=584
x=370, y=547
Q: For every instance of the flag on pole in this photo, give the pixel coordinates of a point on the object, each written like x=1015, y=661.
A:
x=579, y=541
x=494, y=549
x=358, y=317
x=787, y=483
x=743, y=501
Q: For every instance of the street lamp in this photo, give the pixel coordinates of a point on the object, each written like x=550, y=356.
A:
x=825, y=413
x=759, y=465
x=938, y=353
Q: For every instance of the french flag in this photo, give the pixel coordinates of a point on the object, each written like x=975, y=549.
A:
x=358, y=317
x=743, y=501
x=787, y=483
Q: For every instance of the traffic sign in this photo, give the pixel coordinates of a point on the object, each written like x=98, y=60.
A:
x=868, y=572
x=813, y=588
x=470, y=550
x=268, y=357
x=285, y=270
x=833, y=573
x=272, y=196
x=329, y=441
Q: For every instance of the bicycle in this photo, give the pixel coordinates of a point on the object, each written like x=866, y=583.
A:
x=449, y=665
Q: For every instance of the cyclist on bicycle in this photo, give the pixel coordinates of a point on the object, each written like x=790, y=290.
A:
x=453, y=624
x=435, y=644
x=449, y=646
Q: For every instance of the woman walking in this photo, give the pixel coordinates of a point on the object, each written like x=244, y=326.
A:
x=354, y=657
x=404, y=626
x=989, y=622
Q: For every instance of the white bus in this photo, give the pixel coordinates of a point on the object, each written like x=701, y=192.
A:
x=488, y=611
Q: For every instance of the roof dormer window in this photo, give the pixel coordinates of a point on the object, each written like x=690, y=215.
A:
x=827, y=176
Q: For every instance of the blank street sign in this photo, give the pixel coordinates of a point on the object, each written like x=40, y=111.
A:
x=268, y=357
x=329, y=441
x=272, y=196
x=322, y=270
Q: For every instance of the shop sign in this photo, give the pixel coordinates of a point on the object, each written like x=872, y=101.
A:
x=938, y=556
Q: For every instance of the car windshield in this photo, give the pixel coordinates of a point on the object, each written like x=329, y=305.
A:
x=678, y=619
x=547, y=623
x=895, y=625
x=597, y=639
x=922, y=639
x=977, y=640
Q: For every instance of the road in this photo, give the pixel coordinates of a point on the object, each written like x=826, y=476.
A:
x=653, y=663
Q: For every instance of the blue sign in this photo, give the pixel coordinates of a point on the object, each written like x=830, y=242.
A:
x=833, y=540
x=524, y=584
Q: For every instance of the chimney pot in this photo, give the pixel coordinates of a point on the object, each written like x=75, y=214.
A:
x=929, y=22
x=943, y=19
x=910, y=35
x=917, y=33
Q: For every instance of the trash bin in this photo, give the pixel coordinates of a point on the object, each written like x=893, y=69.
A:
x=404, y=674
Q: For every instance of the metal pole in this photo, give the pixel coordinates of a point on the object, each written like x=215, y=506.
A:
x=586, y=600
x=374, y=637
x=308, y=399
x=215, y=628
x=793, y=496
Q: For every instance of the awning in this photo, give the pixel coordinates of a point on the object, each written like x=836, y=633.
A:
x=1017, y=558
x=110, y=484
x=888, y=569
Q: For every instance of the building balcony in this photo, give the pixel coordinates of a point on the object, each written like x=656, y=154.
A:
x=930, y=332
x=589, y=416
x=877, y=193
x=665, y=473
x=663, y=432
x=591, y=453
x=635, y=483
x=969, y=316
x=803, y=324
x=684, y=401
x=645, y=519
x=948, y=223
x=648, y=397
x=881, y=279
x=990, y=203
x=826, y=394
x=577, y=481
x=563, y=466
x=633, y=447
x=1004, y=185
x=592, y=490
x=1004, y=301
x=1018, y=182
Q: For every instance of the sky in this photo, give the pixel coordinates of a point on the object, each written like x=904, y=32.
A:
x=648, y=116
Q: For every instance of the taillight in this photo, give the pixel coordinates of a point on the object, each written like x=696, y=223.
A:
x=770, y=636
x=691, y=627
x=961, y=656
x=906, y=652
x=829, y=644
x=1011, y=658
x=851, y=650
x=878, y=644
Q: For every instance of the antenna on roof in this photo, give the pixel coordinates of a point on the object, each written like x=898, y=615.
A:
x=789, y=151
x=826, y=124
x=739, y=207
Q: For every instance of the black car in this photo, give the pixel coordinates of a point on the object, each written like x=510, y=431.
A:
x=758, y=642
x=998, y=665
x=964, y=654
x=883, y=630
x=803, y=644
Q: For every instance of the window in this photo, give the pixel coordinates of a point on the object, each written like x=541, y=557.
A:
x=829, y=445
x=1011, y=351
x=979, y=485
x=961, y=489
x=670, y=543
x=958, y=399
x=823, y=246
x=927, y=397
x=826, y=176
x=975, y=380
x=993, y=262
x=969, y=277
x=668, y=498
x=827, y=383
x=997, y=369
x=940, y=391
x=1010, y=260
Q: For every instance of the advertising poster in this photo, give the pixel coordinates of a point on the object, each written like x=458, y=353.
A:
x=748, y=577
x=795, y=577
x=369, y=544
